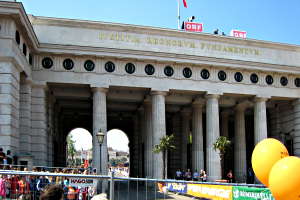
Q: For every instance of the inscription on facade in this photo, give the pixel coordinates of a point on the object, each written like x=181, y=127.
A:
x=155, y=41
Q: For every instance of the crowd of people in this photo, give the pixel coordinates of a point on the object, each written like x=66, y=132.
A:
x=28, y=187
x=189, y=176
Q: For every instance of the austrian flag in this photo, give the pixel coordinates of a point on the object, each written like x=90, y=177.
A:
x=184, y=3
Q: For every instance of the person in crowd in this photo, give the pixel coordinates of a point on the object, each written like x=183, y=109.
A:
x=178, y=175
x=23, y=188
x=53, y=192
x=250, y=177
x=188, y=175
x=33, y=187
x=2, y=156
x=203, y=175
x=41, y=184
x=9, y=157
x=2, y=187
x=229, y=176
x=14, y=186
x=196, y=175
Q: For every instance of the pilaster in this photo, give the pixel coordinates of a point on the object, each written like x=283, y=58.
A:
x=39, y=125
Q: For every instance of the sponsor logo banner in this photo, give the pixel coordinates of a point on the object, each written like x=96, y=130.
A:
x=82, y=182
x=213, y=192
x=177, y=187
x=251, y=193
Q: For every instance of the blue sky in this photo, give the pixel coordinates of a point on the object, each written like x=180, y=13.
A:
x=271, y=20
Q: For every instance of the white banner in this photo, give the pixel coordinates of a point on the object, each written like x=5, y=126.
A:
x=82, y=182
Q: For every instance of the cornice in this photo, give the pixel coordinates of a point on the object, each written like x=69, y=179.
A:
x=38, y=20
x=17, y=11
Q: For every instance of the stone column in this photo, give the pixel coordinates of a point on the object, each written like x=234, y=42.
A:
x=159, y=129
x=39, y=125
x=50, y=129
x=225, y=121
x=149, y=139
x=240, y=162
x=175, y=154
x=25, y=122
x=185, y=119
x=212, y=133
x=260, y=120
x=296, y=139
x=99, y=124
x=197, y=136
x=9, y=107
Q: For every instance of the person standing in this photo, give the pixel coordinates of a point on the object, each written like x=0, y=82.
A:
x=196, y=175
x=229, y=176
x=2, y=188
x=178, y=175
x=9, y=157
x=2, y=156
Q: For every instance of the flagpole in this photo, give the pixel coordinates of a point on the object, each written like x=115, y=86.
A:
x=178, y=14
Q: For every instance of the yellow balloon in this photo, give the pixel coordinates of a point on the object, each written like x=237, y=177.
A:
x=265, y=154
x=284, y=179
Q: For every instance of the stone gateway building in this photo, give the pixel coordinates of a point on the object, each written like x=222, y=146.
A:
x=60, y=74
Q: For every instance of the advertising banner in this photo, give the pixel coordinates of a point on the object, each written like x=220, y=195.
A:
x=237, y=33
x=82, y=182
x=194, y=27
x=213, y=192
x=177, y=187
x=251, y=193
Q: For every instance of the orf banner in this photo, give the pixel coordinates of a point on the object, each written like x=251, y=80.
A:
x=177, y=187
x=75, y=182
x=192, y=26
x=251, y=193
x=213, y=192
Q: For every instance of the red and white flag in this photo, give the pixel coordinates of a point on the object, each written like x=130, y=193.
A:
x=185, y=3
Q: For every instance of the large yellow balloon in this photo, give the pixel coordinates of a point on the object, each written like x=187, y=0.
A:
x=265, y=154
x=284, y=179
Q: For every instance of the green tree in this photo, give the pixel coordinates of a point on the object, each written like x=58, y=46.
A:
x=165, y=144
x=71, y=147
x=222, y=145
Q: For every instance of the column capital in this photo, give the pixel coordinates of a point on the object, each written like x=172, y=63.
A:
x=163, y=93
x=260, y=99
x=212, y=96
x=198, y=102
x=99, y=89
x=242, y=106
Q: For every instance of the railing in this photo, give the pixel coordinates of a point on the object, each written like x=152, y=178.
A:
x=116, y=188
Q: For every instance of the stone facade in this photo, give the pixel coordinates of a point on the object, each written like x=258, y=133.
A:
x=60, y=74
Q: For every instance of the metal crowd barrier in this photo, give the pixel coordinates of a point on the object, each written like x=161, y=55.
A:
x=115, y=188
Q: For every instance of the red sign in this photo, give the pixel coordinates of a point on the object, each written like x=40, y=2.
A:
x=192, y=26
x=237, y=33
